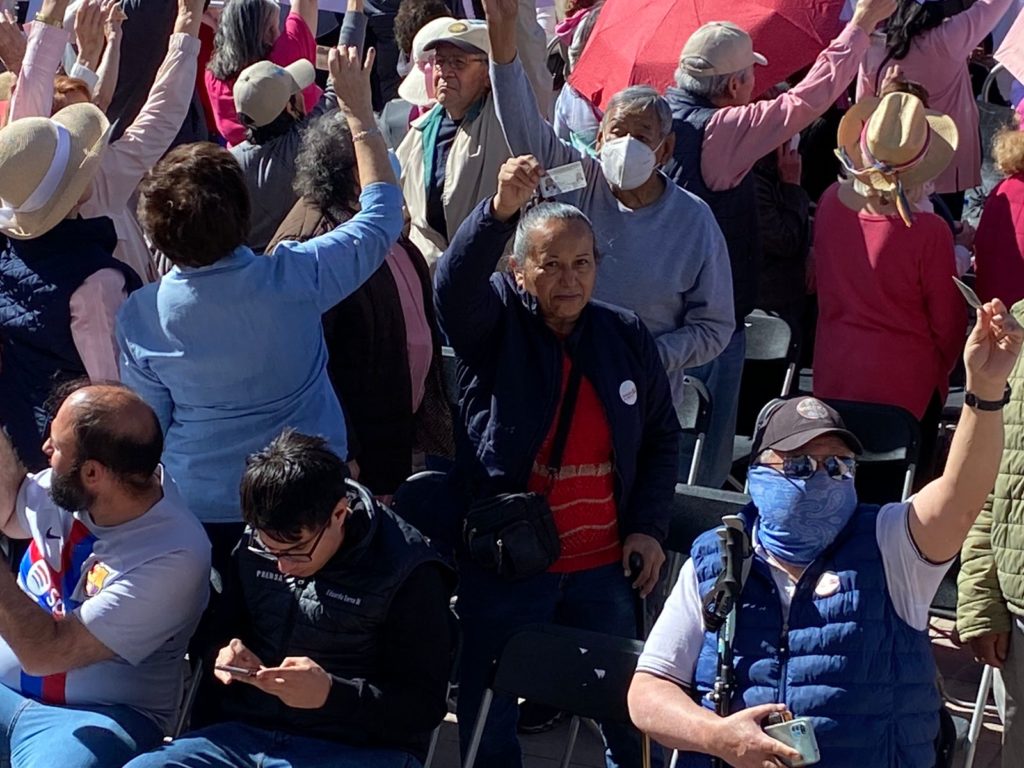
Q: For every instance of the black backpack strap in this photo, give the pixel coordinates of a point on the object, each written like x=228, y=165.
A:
x=565, y=415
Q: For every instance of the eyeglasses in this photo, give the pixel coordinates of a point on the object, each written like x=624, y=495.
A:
x=257, y=547
x=456, y=63
x=802, y=467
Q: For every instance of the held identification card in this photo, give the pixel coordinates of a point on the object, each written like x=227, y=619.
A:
x=969, y=294
x=561, y=180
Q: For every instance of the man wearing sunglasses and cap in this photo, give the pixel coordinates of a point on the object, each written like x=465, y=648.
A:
x=831, y=623
x=332, y=635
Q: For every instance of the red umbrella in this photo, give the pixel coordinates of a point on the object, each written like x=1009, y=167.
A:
x=638, y=41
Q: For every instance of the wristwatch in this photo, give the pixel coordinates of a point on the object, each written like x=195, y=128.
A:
x=971, y=400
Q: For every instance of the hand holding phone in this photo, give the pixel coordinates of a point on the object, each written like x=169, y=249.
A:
x=797, y=733
x=236, y=662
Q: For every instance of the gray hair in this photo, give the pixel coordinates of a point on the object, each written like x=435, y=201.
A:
x=707, y=86
x=636, y=100
x=325, y=168
x=241, y=37
x=537, y=217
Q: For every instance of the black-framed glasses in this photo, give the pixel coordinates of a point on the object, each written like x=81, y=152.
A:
x=802, y=467
x=257, y=547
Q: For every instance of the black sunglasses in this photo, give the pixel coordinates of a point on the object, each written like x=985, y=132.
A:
x=802, y=467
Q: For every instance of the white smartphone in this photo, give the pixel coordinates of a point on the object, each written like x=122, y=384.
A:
x=798, y=734
x=242, y=671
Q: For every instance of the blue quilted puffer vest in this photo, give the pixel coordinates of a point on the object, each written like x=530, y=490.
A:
x=846, y=660
x=37, y=279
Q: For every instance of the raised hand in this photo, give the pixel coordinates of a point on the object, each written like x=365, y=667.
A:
x=352, y=81
x=89, y=33
x=113, y=17
x=12, y=42
x=517, y=181
x=501, y=11
x=868, y=14
x=992, y=350
x=501, y=28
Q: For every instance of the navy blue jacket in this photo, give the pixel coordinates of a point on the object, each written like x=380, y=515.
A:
x=510, y=379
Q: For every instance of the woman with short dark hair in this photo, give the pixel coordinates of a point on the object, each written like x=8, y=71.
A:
x=227, y=348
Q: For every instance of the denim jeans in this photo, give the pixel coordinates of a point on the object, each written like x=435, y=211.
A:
x=236, y=745
x=722, y=378
x=37, y=735
x=491, y=609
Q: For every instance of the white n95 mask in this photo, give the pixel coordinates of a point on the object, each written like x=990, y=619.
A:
x=627, y=162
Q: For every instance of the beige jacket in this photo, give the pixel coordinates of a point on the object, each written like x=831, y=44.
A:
x=471, y=175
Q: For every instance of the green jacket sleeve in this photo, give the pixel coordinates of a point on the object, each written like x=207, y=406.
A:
x=980, y=609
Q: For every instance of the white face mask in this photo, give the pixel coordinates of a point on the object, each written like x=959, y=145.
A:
x=627, y=162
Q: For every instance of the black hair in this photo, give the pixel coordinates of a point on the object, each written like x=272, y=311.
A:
x=910, y=19
x=291, y=486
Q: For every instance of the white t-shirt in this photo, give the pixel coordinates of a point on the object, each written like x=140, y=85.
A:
x=139, y=588
x=675, y=643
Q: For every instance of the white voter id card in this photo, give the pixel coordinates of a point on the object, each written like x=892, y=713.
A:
x=565, y=178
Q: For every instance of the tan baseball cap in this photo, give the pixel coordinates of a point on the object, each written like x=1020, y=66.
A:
x=718, y=48
x=468, y=34
x=262, y=90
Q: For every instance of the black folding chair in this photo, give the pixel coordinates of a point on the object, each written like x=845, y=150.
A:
x=695, y=509
x=195, y=668
x=585, y=674
x=695, y=419
x=891, y=437
x=453, y=681
x=769, y=371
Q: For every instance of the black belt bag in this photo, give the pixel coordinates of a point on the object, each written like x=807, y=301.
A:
x=514, y=534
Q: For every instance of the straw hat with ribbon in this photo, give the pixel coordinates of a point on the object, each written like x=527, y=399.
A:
x=46, y=164
x=893, y=144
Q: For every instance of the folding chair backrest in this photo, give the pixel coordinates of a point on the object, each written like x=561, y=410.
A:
x=769, y=366
x=695, y=510
x=450, y=375
x=582, y=673
x=695, y=412
x=943, y=605
x=891, y=437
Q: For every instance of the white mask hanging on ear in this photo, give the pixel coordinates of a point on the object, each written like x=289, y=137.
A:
x=627, y=162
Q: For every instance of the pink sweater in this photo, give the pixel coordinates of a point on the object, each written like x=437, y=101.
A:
x=938, y=60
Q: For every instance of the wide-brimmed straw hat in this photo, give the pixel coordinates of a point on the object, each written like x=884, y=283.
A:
x=46, y=164
x=895, y=140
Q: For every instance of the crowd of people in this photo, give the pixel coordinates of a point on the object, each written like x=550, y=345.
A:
x=338, y=347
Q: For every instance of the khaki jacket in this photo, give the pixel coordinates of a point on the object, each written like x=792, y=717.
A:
x=471, y=175
x=990, y=588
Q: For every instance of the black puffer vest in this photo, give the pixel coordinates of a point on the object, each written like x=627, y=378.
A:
x=334, y=618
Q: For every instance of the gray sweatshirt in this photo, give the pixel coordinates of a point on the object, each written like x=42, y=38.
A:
x=667, y=262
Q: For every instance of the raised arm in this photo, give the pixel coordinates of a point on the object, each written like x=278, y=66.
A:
x=468, y=306
x=346, y=257
x=12, y=43
x=307, y=9
x=353, y=29
x=526, y=130
x=146, y=140
x=945, y=509
x=33, y=96
x=110, y=63
x=739, y=136
x=958, y=35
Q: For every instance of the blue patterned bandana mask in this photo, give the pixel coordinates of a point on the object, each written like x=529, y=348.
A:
x=798, y=519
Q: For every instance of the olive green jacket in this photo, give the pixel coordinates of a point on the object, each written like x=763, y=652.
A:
x=991, y=583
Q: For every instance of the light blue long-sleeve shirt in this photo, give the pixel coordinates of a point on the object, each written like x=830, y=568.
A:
x=668, y=261
x=230, y=354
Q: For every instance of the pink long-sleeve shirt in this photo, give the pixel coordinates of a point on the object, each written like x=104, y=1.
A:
x=938, y=60
x=94, y=305
x=737, y=137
